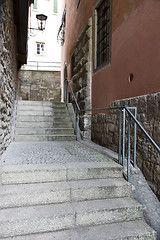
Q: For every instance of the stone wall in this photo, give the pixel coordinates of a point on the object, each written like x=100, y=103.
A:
x=8, y=72
x=39, y=85
x=105, y=132
x=81, y=75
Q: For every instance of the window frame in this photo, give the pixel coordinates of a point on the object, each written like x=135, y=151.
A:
x=106, y=63
x=41, y=53
x=35, y=5
x=55, y=12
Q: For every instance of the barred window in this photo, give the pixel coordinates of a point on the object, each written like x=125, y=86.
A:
x=102, y=34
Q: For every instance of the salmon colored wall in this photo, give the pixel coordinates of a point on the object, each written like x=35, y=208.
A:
x=135, y=49
x=76, y=20
x=122, y=10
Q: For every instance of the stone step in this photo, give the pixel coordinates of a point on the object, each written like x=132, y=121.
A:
x=42, y=119
x=40, y=103
x=132, y=230
x=41, y=108
x=34, y=219
x=43, y=113
x=34, y=173
x=37, y=138
x=33, y=194
x=53, y=124
x=43, y=131
x=47, y=193
x=99, y=189
x=103, y=211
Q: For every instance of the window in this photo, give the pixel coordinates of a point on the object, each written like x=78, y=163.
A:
x=55, y=6
x=78, y=2
x=35, y=4
x=40, y=48
x=102, y=34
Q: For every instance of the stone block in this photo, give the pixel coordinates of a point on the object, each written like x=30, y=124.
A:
x=148, y=169
x=157, y=175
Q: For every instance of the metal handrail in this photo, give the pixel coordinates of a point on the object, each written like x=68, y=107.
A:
x=143, y=130
x=78, y=108
x=122, y=127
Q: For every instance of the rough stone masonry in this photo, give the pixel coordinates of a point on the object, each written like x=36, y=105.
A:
x=40, y=85
x=105, y=133
x=8, y=72
x=81, y=75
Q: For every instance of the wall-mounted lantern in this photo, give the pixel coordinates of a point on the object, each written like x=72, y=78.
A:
x=41, y=19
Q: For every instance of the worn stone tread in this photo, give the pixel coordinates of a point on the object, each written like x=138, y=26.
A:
x=42, y=124
x=33, y=194
x=99, y=189
x=41, y=131
x=133, y=230
x=42, y=119
x=47, y=137
x=35, y=219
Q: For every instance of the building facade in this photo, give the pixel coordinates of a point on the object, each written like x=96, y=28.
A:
x=110, y=52
x=13, y=53
x=40, y=77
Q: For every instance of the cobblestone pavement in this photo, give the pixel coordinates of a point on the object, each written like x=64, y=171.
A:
x=49, y=152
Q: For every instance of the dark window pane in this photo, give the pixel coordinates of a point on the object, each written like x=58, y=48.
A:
x=103, y=32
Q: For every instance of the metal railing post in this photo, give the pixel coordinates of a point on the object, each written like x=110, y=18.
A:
x=135, y=138
x=77, y=126
x=123, y=138
x=129, y=148
x=120, y=136
x=75, y=123
x=67, y=93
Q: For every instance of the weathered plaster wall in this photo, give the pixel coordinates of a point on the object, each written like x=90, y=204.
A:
x=105, y=132
x=39, y=85
x=8, y=73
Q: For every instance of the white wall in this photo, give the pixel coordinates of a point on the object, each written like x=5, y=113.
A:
x=52, y=55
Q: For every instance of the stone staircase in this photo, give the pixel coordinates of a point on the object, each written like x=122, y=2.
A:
x=42, y=121
x=69, y=201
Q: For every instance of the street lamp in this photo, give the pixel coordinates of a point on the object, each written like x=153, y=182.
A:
x=41, y=19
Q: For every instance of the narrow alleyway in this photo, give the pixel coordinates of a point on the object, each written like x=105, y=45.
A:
x=63, y=189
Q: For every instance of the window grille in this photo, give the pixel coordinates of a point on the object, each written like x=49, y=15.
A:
x=103, y=33
x=61, y=31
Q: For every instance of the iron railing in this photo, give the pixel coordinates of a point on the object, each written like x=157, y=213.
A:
x=123, y=120
x=39, y=65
